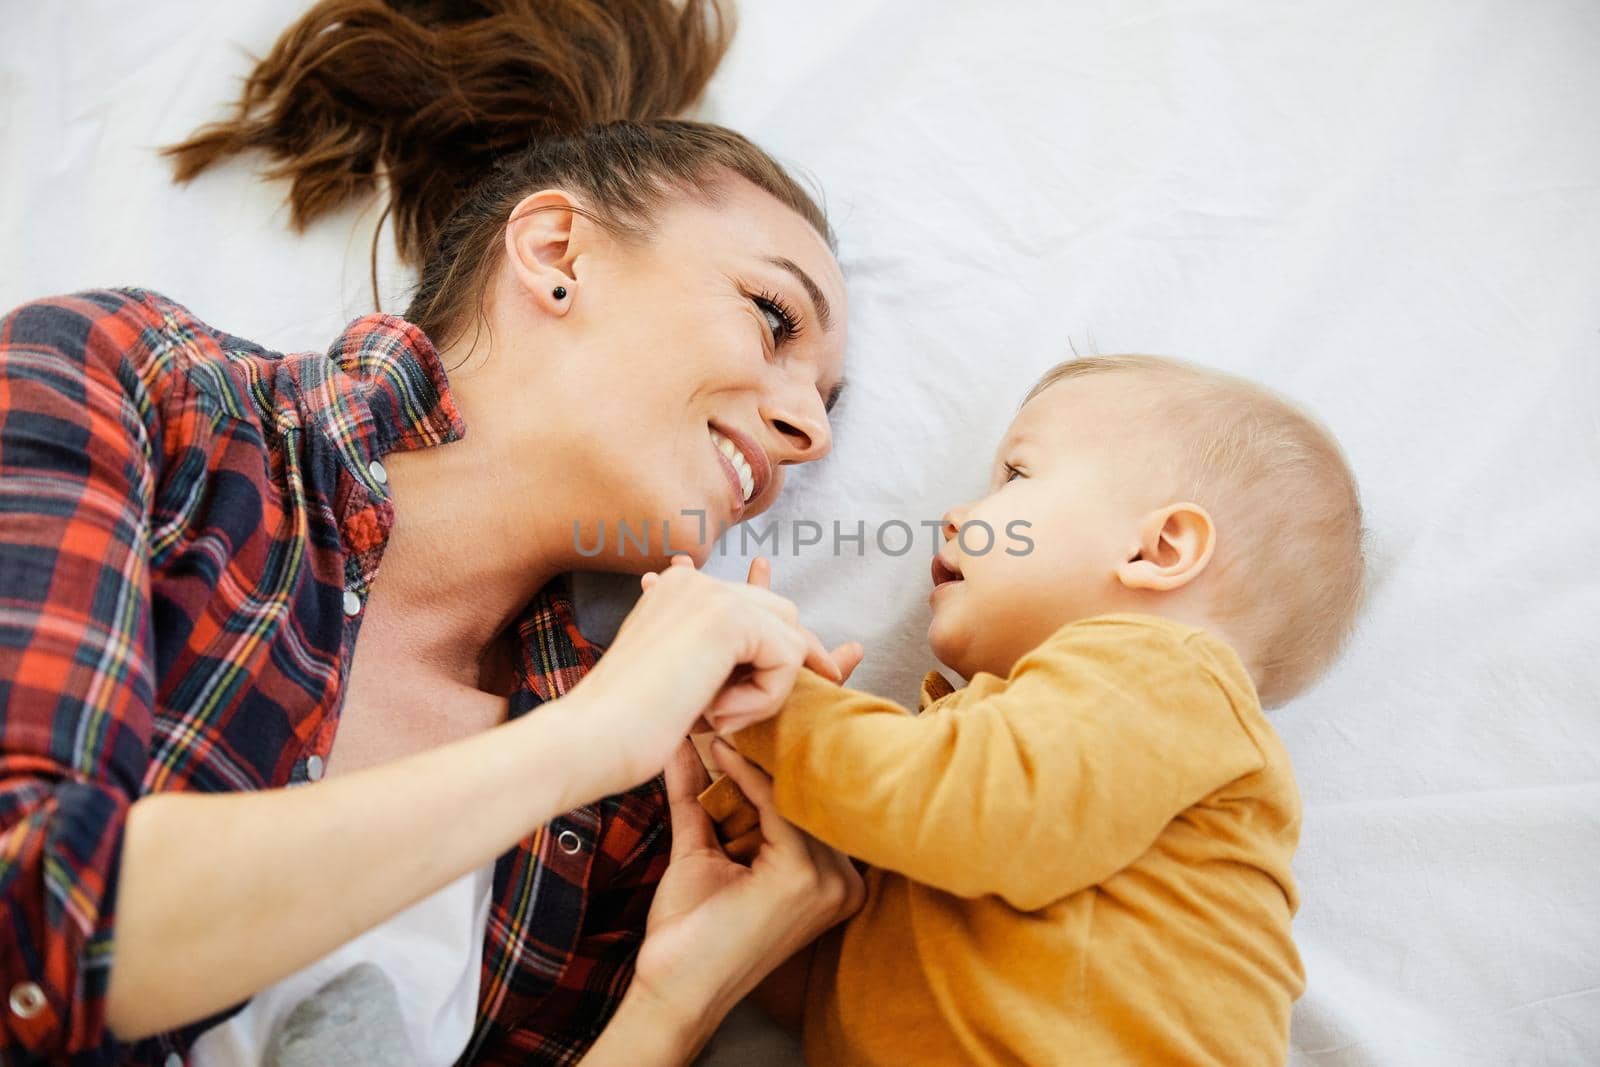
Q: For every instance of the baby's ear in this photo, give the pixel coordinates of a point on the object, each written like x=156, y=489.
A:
x=1174, y=547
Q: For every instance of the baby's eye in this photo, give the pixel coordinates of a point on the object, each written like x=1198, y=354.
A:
x=1012, y=472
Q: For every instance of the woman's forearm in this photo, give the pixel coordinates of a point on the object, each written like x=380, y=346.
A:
x=223, y=894
x=647, y=1033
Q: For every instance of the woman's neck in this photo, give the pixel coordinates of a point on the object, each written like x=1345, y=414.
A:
x=463, y=557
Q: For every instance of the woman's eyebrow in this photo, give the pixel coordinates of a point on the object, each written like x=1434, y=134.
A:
x=819, y=301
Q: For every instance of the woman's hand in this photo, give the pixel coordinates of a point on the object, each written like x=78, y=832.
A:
x=845, y=659
x=693, y=646
x=717, y=928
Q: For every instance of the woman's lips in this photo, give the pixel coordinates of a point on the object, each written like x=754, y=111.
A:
x=753, y=457
x=737, y=490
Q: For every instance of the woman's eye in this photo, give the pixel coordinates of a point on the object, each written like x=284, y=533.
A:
x=780, y=320
x=774, y=320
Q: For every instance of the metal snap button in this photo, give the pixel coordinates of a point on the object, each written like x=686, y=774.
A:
x=569, y=842
x=27, y=1000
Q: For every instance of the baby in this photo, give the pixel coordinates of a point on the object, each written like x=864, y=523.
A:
x=1083, y=856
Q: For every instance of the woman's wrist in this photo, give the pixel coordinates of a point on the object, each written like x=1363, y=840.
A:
x=620, y=744
x=570, y=732
x=647, y=1031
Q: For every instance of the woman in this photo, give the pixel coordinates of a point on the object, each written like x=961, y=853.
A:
x=640, y=320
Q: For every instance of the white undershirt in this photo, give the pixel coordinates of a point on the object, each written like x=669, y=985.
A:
x=432, y=952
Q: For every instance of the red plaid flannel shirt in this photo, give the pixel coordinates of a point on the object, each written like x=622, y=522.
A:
x=182, y=517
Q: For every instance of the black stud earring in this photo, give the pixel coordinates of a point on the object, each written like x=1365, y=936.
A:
x=559, y=292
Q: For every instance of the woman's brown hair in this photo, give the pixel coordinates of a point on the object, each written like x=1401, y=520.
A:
x=463, y=108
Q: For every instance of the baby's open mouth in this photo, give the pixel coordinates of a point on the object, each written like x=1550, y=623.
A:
x=943, y=572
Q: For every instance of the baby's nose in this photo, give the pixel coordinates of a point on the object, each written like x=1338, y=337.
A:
x=952, y=522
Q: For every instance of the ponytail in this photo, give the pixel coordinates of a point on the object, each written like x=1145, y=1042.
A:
x=462, y=108
x=358, y=90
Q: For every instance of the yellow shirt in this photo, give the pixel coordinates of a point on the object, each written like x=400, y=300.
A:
x=1084, y=863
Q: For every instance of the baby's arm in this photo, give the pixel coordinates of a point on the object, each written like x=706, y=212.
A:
x=1050, y=786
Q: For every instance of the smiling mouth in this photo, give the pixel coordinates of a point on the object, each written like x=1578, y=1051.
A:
x=746, y=473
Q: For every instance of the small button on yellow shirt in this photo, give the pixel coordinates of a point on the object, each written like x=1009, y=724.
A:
x=1086, y=862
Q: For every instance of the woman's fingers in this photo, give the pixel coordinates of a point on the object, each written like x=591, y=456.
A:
x=744, y=848
x=815, y=654
x=757, y=696
x=757, y=786
x=853, y=886
x=817, y=657
x=691, y=826
x=768, y=644
x=695, y=647
x=770, y=660
x=823, y=875
x=753, y=782
x=760, y=597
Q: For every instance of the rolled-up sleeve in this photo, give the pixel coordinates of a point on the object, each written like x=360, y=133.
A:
x=76, y=666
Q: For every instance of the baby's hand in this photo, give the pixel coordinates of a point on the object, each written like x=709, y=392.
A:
x=847, y=657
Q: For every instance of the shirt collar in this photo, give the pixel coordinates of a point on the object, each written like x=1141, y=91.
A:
x=381, y=389
x=393, y=394
x=555, y=655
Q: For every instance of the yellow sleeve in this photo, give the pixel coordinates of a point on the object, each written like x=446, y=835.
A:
x=1101, y=737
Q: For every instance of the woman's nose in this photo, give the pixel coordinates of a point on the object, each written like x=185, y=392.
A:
x=802, y=424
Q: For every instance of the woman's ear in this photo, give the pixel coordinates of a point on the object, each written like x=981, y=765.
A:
x=541, y=253
x=1174, y=547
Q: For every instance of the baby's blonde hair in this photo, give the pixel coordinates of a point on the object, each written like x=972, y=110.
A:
x=1290, y=567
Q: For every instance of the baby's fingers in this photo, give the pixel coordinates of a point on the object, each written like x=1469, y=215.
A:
x=847, y=657
x=819, y=659
x=648, y=579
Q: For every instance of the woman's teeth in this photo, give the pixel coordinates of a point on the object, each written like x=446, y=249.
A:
x=741, y=466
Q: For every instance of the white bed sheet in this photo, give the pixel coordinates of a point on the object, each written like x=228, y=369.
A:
x=1390, y=212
